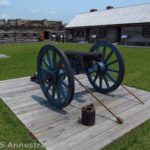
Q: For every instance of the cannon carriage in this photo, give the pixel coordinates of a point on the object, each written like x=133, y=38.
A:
x=103, y=65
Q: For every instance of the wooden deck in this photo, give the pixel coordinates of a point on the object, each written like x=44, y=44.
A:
x=60, y=129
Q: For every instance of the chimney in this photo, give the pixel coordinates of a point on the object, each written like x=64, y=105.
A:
x=109, y=7
x=93, y=10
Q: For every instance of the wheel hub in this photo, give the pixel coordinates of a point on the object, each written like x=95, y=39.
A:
x=54, y=77
x=101, y=66
x=51, y=78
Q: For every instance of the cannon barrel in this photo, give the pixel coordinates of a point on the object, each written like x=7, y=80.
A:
x=85, y=55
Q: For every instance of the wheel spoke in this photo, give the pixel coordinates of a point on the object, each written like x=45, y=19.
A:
x=106, y=81
x=48, y=88
x=62, y=91
x=49, y=59
x=53, y=91
x=112, y=70
x=54, y=60
x=113, y=62
x=63, y=83
x=45, y=70
x=44, y=74
x=103, y=53
x=96, y=77
x=100, y=79
x=58, y=92
x=96, y=48
x=62, y=75
x=46, y=64
x=110, y=77
x=92, y=69
x=109, y=55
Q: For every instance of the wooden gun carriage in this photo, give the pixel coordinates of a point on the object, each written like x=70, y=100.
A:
x=103, y=65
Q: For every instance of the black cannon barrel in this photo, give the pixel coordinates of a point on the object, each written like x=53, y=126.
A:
x=85, y=55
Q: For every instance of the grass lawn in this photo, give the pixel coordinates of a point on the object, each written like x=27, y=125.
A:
x=22, y=62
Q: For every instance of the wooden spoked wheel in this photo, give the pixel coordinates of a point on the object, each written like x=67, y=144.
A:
x=55, y=76
x=109, y=73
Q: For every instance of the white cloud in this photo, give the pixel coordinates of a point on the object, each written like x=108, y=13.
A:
x=3, y=16
x=35, y=11
x=4, y=3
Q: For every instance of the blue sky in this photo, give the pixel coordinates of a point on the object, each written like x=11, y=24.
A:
x=63, y=10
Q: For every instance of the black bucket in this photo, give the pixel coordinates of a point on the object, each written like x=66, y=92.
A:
x=88, y=115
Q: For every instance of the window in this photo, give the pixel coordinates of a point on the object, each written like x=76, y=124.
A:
x=102, y=32
x=34, y=35
x=24, y=35
x=6, y=35
x=79, y=33
x=75, y=33
x=146, y=30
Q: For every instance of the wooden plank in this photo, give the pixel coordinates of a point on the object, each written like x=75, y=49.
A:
x=11, y=86
x=10, y=92
x=13, y=80
x=18, y=97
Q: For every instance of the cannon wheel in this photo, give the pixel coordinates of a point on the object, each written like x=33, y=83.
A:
x=55, y=76
x=111, y=68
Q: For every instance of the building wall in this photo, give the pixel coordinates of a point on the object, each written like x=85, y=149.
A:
x=114, y=34
x=105, y=33
x=77, y=36
x=18, y=36
x=111, y=34
x=2, y=22
x=31, y=24
x=135, y=35
x=11, y=23
x=93, y=31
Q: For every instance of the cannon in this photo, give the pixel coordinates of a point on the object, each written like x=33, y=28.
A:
x=103, y=65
